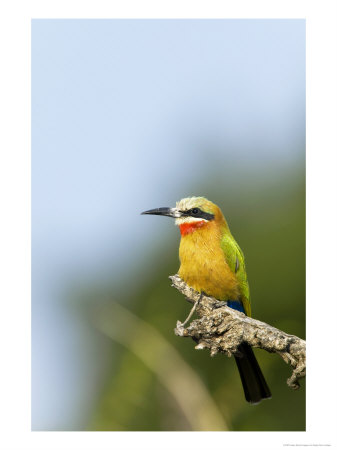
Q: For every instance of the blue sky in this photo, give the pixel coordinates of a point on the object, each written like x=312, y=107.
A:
x=128, y=115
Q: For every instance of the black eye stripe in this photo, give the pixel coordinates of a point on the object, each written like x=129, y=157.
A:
x=200, y=214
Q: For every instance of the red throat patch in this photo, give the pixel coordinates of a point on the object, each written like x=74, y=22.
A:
x=186, y=228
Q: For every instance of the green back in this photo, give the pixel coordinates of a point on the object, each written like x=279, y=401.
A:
x=236, y=262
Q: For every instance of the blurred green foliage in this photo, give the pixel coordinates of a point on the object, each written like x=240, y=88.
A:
x=268, y=220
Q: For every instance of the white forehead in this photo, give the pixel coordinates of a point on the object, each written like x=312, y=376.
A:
x=189, y=202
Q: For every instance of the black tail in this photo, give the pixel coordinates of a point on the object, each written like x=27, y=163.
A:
x=253, y=382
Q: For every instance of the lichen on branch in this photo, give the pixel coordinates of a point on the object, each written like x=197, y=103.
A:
x=222, y=329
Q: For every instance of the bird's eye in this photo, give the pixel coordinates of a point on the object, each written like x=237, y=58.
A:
x=195, y=210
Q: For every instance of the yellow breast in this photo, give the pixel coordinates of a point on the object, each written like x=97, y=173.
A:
x=203, y=265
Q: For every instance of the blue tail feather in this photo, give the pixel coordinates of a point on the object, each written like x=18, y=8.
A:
x=235, y=304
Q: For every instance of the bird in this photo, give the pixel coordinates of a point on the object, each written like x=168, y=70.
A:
x=212, y=263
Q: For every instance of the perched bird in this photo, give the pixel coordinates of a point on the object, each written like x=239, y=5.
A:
x=211, y=262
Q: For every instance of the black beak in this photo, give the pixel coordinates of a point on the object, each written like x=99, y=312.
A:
x=170, y=212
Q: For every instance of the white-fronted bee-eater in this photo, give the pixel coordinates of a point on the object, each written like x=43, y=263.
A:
x=212, y=263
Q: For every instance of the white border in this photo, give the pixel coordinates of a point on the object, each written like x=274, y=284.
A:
x=15, y=19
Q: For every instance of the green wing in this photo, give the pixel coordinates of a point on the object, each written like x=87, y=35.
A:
x=236, y=262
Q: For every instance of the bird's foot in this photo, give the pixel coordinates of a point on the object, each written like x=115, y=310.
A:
x=192, y=310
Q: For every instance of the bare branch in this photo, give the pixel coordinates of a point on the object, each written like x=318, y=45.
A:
x=222, y=329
